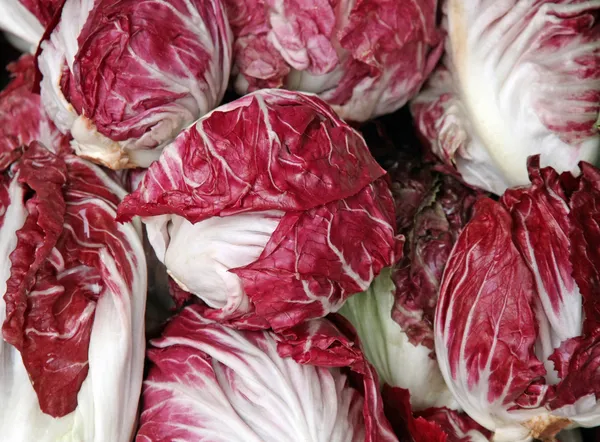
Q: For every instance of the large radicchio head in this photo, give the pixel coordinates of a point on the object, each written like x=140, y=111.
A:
x=126, y=77
x=270, y=209
x=208, y=381
x=364, y=57
x=517, y=322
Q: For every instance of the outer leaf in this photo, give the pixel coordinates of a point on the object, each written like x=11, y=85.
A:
x=543, y=59
x=431, y=425
x=311, y=263
x=366, y=58
x=323, y=342
x=458, y=426
x=44, y=174
x=577, y=361
x=211, y=382
x=407, y=427
x=399, y=363
x=541, y=230
x=486, y=325
x=122, y=79
x=13, y=376
x=269, y=150
x=585, y=255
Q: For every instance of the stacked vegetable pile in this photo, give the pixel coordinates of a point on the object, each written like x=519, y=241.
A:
x=317, y=220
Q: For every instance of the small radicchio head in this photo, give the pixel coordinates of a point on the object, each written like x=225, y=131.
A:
x=517, y=322
x=270, y=209
x=124, y=78
x=431, y=211
x=74, y=290
x=364, y=57
x=519, y=78
x=22, y=116
x=24, y=21
x=208, y=381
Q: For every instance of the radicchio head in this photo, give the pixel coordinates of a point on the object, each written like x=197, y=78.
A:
x=519, y=77
x=208, y=381
x=72, y=311
x=124, y=78
x=364, y=57
x=517, y=322
x=259, y=207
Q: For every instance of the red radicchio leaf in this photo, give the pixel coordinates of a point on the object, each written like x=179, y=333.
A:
x=58, y=272
x=43, y=10
x=45, y=174
x=325, y=343
x=585, y=238
x=458, y=426
x=430, y=425
x=541, y=229
x=245, y=156
x=431, y=211
x=577, y=361
x=486, y=326
x=407, y=427
x=311, y=264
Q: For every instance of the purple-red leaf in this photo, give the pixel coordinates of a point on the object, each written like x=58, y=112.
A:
x=70, y=253
x=486, y=328
x=431, y=210
x=317, y=259
x=269, y=150
x=585, y=238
